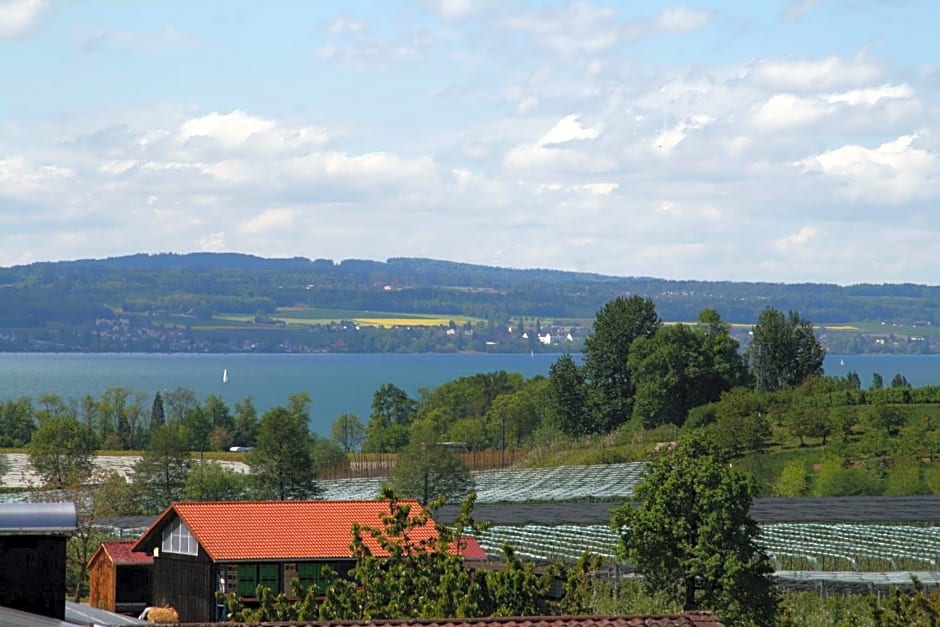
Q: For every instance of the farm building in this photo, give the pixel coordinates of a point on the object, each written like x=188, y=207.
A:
x=120, y=579
x=201, y=548
x=32, y=556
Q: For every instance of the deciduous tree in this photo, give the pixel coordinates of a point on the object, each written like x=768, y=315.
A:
x=62, y=452
x=178, y=402
x=160, y=473
x=680, y=367
x=392, y=414
x=691, y=535
x=606, y=352
x=281, y=462
x=348, y=431
x=246, y=423
x=16, y=422
x=784, y=350
x=426, y=471
x=569, y=397
x=211, y=481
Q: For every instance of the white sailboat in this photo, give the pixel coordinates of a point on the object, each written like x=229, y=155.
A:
x=224, y=375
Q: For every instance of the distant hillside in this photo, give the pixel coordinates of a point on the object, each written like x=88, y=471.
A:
x=76, y=294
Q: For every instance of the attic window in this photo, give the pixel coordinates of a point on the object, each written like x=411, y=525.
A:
x=178, y=539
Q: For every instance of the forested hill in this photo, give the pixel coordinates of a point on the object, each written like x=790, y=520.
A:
x=207, y=284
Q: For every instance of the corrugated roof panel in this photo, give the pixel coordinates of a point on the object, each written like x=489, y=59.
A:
x=37, y=518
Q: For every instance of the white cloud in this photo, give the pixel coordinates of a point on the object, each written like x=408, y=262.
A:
x=814, y=74
x=868, y=96
x=343, y=26
x=601, y=189
x=894, y=172
x=22, y=178
x=456, y=10
x=798, y=8
x=272, y=219
x=573, y=29
x=229, y=130
x=681, y=19
x=782, y=111
x=796, y=240
x=213, y=242
x=668, y=139
x=18, y=16
x=239, y=131
x=568, y=129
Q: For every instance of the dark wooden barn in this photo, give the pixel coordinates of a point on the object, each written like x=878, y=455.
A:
x=32, y=556
x=121, y=579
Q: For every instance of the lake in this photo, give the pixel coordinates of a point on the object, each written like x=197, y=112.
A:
x=337, y=383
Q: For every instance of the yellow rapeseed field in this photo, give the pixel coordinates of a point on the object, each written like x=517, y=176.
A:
x=403, y=322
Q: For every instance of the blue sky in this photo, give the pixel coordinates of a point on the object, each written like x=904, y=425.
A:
x=761, y=141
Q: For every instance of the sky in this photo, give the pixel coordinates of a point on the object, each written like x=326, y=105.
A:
x=783, y=141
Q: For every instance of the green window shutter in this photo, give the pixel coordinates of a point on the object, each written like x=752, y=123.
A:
x=247, y=580
x=268, y=576
x=312, y=574
x=308, y=573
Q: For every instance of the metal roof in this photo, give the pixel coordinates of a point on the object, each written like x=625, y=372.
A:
x=82, y=614
x=10, y=616
x=37, y=518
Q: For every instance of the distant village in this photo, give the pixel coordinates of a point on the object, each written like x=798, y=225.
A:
x=268, y=335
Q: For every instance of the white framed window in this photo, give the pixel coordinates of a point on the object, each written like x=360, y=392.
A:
x=178, y=539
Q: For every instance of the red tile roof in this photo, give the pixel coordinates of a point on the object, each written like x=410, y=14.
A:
x=254, y=530
x=470, y=548
x=122, y=555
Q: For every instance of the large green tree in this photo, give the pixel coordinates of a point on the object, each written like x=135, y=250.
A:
x=178, y=401
x=348, y=431
x=281, y=462
x=157, y=412
x=426, y=470
x=392, y=414
x=16, y=422
x=211, y=481
x=680, y=367
x=569, y=397
x=246, y=423
x=160, y=474
x=784, y=350
x=62, y=452
x=606, y=353
x=689, y=532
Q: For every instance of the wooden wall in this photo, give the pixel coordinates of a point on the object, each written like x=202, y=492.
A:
x=187, y=583
x=32, y=574
x=101, y=579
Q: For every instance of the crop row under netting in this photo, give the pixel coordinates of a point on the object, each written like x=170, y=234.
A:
x=521, y=484
x=792, y=546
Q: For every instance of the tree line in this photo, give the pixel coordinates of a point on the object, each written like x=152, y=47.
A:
x=78, y=292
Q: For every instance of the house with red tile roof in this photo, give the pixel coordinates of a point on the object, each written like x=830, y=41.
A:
x=199, y=549
x=120, y=580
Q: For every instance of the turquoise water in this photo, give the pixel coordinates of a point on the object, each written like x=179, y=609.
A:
x=337, y=383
